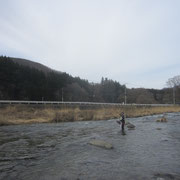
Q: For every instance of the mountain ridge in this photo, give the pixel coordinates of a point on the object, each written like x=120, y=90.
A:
x=33, y=64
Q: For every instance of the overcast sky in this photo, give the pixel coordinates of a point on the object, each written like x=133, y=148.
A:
x=131, y=41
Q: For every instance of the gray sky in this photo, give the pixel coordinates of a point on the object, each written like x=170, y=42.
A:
x=131, y=41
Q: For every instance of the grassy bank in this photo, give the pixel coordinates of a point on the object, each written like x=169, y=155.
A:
x=25, y=114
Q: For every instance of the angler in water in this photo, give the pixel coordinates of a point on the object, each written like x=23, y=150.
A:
x=122, y=121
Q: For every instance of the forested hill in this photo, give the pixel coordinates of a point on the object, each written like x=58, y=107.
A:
x=32, y=64
x=26, y=80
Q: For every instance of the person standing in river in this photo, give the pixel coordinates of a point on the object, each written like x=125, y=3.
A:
x=122, y=121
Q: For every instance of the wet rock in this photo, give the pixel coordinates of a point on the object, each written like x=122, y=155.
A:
x=100, y=143
x=160, y=176
x=163, y=119
x=130, y=126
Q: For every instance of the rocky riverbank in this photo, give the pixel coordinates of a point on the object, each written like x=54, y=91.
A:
x=92, y=150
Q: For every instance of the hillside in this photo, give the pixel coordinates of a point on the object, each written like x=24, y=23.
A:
x=22, y=79
x=32, y=64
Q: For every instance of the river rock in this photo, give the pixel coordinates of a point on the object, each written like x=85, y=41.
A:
x=163, y=119
x=166, y=176
x=101, y=143
x=130, y=126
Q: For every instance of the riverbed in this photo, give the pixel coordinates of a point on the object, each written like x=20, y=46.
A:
x=62, y=150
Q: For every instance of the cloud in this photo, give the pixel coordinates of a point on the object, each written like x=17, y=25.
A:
x=116, y=39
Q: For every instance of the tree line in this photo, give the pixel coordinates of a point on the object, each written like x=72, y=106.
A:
x=19, y=82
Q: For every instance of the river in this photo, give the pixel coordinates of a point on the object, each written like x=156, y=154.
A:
x=62, y=150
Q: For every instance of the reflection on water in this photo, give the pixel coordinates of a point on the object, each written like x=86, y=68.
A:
x=62, y=151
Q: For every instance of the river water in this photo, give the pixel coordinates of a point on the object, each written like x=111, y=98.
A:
x=62, y=150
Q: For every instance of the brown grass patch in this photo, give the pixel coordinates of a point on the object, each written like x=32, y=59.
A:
x=24, y=114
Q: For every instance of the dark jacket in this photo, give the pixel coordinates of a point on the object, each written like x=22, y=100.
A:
x=123, y=119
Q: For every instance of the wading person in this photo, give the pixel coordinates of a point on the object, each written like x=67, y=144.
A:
x=122, y=121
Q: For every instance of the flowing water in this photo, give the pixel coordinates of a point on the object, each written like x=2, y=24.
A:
x=62, y=150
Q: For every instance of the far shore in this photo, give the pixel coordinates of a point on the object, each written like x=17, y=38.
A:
x=25, y=114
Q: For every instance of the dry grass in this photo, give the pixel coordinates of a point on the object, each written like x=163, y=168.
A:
x=23, y=114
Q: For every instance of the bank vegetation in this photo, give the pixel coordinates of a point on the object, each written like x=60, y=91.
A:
x=26, y=114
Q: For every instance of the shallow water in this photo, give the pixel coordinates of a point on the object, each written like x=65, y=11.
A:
x=61, y=151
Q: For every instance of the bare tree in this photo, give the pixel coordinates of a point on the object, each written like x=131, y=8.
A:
x=174, y=83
